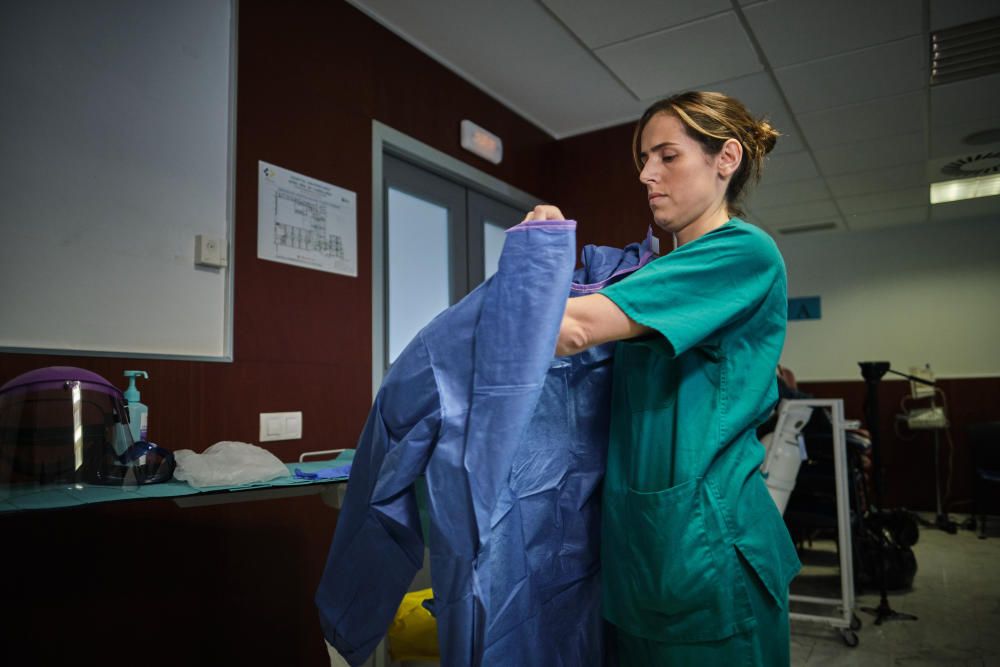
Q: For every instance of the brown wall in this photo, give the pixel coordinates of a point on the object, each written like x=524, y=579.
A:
x=149, y=583
x=908, y=456
x=594, y=181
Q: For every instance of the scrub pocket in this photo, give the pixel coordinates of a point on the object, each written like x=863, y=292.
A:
x=669, y=573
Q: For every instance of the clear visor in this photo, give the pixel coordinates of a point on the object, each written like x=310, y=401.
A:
x=63, y=435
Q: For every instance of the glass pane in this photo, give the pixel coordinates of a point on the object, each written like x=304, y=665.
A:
x=418, y=266
x=493, y=237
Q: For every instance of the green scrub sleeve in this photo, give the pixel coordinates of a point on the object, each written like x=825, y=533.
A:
x=702, y=287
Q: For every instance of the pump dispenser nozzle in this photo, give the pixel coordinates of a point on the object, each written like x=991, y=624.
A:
x=132, y=393
x=137, y=412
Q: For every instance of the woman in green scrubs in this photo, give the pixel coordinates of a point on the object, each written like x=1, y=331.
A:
x=696, y=560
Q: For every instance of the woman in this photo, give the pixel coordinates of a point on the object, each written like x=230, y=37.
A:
x=696, y=559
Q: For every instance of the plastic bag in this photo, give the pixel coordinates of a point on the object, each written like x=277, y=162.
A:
x=413, y=633
x=228, y=464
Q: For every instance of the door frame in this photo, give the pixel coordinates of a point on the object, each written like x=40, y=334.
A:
x=388, y=140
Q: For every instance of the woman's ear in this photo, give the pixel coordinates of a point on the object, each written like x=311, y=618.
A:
x=729, y=158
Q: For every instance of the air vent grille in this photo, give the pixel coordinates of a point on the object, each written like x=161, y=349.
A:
x=804, y=229
x=965, y=52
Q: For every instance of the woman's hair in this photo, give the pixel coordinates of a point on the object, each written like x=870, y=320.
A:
x=711, y=119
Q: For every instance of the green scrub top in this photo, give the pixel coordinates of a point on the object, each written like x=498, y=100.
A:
x=683, y=495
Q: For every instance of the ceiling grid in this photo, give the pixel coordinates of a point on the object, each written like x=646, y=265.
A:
x=847, y=83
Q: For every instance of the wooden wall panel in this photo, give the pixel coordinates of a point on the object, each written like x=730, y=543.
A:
x=593, y=180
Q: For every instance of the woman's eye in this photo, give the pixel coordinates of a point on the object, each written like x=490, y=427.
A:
x=668, y=158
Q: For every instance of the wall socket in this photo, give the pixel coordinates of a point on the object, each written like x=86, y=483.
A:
x=280, y=426
x=210, y=251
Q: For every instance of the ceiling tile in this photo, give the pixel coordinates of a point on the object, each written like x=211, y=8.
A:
x=869, y=120
x=761, y=97
x=872, y=154
x=800, y=214
x=713, y=49
x=884, y=200
x=891, y=178
x=796, y=31
x=787, y=168
x=880, y=71
x=947, y=140
x=911, y=215
x=948, y=13
x=599, y=23
x=967, y=209
x=965, y=101
x=495, y=58
x=786, y=194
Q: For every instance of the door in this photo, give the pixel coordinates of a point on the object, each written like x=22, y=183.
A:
x=442, y=239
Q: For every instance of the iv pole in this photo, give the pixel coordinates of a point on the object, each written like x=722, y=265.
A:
x=872, y=372
x=942, y=520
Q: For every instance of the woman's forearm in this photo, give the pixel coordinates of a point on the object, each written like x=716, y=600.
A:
x=592, y=320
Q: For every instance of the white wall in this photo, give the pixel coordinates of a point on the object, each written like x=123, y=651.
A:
x=908, y=295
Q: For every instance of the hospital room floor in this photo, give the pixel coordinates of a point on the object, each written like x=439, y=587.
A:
x=955, y=595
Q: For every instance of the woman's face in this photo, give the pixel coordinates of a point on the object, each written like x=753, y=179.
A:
x=684, y=184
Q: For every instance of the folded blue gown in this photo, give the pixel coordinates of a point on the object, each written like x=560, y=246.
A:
x=512, y=443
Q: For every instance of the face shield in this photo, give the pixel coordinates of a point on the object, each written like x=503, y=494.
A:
x=65, y=425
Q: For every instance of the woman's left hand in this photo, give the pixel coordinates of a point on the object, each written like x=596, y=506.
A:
x=544, y=212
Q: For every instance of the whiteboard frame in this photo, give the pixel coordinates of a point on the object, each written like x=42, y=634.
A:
x=227, y=350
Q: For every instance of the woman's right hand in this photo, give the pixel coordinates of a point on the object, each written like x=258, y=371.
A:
x=544, y=212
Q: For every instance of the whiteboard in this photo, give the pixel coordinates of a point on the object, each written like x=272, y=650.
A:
x=116, y=131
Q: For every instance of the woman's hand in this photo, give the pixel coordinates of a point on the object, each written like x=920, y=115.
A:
x=544, y=212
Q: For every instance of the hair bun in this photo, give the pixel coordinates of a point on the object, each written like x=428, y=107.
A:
x=767, y=136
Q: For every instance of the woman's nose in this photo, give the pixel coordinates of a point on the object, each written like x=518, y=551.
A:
x=648, y=174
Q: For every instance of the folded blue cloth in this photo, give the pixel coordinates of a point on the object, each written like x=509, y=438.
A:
x=339, y=472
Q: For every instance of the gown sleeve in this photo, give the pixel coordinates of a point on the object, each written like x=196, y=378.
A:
x=378, y=545
x=702, y=287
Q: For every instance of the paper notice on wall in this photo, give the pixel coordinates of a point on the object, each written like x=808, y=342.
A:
x=306, y=222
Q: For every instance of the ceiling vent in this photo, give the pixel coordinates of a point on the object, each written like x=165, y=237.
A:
x=973, y=165
x=805, y=229
x=965, y=51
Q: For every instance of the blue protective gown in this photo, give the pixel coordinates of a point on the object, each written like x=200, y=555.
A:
x=512, y=444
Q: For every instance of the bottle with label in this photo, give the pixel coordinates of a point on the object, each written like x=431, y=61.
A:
x=138, y=413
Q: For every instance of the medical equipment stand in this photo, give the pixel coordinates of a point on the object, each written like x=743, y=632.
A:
x=942, y=521
x=872, y=372
x=847, y=622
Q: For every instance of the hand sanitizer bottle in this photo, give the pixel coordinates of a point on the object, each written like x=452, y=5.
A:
x=138, y=413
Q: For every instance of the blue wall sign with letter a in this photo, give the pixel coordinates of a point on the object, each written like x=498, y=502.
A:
x=804, y=308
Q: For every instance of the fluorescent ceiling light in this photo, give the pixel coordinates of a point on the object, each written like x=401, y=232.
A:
x=965, y=188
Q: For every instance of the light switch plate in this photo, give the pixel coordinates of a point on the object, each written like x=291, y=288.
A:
x=280, y=426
